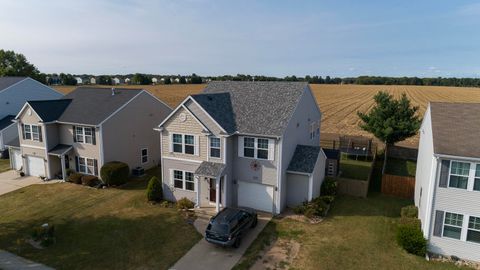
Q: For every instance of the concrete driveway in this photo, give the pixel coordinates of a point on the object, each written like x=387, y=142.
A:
x=207, y=256
x=10, y=181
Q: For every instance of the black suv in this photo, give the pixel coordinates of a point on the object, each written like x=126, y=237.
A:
x=229, y=226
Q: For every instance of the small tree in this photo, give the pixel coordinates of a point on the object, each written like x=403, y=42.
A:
x=390, y=120
x=154, y=190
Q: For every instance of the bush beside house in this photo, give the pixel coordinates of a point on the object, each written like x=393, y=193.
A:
x=115, y=173
x=409, y=232
x=185, y=204
x=319, y=206
x=154, y=190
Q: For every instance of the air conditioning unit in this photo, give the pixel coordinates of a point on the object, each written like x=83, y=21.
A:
x=138, y=171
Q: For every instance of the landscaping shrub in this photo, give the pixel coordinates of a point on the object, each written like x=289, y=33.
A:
x=75, y=178
x=154, y=190
x=90, y=180
x=44, y=234
x=185, y=204
x=410, y=237
x=115, y=173
x=300, y=209
x=316, y=208
x=326, y=199
x=329, y=187
x=409, y=211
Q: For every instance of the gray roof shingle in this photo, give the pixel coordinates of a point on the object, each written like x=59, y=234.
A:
x=212, y=169
x=6, y=121
x=304, y=159
x=262, y=108
x=6, y=82
x=455, y=128
x=59, y=149
x=49, y=110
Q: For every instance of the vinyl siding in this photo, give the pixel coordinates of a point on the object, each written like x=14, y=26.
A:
x=174, y=194
x=297, y=189
x=8, y=135
x=318, y=174
x=131, y=129
x=32, y=119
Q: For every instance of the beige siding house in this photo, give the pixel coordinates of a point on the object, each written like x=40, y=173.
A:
x=87, y=128
x=242, y=144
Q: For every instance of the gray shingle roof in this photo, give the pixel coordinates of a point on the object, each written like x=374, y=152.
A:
x=59, y=149
x=49, y=110
x=331, y=153
x=212, y=169
x=6, y=121
x=93, y=105
x=455, y=128
x=258, y=107
x=6, y=82
x=304, y=158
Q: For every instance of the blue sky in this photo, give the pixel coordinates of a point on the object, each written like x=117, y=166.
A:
x=278, y=38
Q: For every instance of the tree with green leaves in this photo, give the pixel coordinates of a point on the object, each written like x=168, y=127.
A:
x=391, y=120
x=16, y=64
x=139, y=78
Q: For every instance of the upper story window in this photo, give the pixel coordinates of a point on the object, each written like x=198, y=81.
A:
x=84, y=135
x=215, y=147
x=32, y=132
x=476, y=183
x=452, y=227
x=258, y=148
x=459, y=172
x=473, y=233
x=314, y=130
x=186, y=144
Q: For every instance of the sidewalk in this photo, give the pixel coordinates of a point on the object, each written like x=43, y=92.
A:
x=9, y=261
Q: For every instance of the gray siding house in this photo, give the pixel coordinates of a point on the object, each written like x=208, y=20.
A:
x=14, y=92
x=447, y=188
x=250, y=144
x=87, y=128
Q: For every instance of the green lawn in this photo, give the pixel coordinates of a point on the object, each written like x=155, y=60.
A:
x=354, y=169
x=401, y=167
x=358, y=234
x=95, y=229
x=4, y=165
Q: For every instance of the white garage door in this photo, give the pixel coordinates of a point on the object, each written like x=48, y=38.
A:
x=35, y=166
x=256, y=196
x=17, y=159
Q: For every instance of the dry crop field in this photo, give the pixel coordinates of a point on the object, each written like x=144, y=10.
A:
x=339, y=103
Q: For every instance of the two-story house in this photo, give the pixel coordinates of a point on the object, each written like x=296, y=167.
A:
x=87, y=128
x=250, y=144
x=447, y=188
x=14, y=92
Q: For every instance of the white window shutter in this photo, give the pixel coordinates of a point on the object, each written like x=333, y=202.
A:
x=171, y=177
x=197, y=146
x=170, y=142
x=240, y=146
x=271, y=149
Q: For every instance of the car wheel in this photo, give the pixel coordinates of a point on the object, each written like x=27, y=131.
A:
x=254, y=223
x=238, y=242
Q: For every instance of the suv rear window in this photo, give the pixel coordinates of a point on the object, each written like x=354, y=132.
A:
x=218, y=228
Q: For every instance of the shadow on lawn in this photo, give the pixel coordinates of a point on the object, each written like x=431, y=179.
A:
x=108, y=242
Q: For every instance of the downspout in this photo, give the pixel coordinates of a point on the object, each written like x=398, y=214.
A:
x=279, y=176
x=431, y=193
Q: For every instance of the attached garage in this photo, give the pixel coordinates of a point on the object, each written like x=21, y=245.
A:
x=256, y=196
x=298, y=186
x=16, y=157
x=35, y=166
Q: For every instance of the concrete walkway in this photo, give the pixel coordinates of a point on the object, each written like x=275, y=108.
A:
x=208, y=256
x=10, y=181
x=9, y=261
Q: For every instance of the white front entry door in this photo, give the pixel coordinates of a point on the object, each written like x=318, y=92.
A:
x=35, y=166
x=256, y=196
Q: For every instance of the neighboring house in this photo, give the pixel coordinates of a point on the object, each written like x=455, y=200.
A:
x=154, y=80
x=447, y=189
x=14, y=92
x=87, y=128
x=115, y=81
x=93, y=80
x=244, y=144
x=79, y=80
x=127, y=81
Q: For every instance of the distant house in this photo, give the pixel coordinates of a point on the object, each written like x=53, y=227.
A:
x=14, y=92
x=115, y=81
x=447, y=184
x=88, y=128
x=79, y=80
x=93, y=80
x=176, y=80
x=154, y=80
x=127, y=80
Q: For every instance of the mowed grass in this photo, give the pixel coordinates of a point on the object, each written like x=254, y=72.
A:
x=338, y=103
x=4, y=165
x=357, y=234
x=355, y=169
x=95, y=229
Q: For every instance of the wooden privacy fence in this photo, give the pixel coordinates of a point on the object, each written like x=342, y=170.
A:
x=400, y=186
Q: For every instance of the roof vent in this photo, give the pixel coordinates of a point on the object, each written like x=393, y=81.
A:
x=113, y=91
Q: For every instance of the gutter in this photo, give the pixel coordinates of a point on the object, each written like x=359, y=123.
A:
x=443, y=156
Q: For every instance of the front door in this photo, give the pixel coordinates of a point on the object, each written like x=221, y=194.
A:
x=213, y=190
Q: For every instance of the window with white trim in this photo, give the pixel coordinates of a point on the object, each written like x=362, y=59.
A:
x=31, y=132
x=452, y=226
x=255, y=148
x=249, y=147
x=183, y=144
x=144, y=155
x=86, y=165
x=177, y=143
x=473, y=232
x=215, y=147
x=84, y=135
x=183, y=180
x=262, y=148
x=476, y=183
x=459, y=172
x=189, y=146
